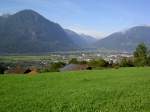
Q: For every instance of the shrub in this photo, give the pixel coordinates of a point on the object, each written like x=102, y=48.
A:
x=83, y=62
x=126, y=62
x=2, y=68
x=73, y=61
x=56, y=66
x=98, y=63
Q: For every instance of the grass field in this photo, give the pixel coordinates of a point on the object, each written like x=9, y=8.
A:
x=23, y=58
x=115, y=90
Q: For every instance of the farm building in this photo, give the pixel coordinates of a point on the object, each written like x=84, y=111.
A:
x=21, y=70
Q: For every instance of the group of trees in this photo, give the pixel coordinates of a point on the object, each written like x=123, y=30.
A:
x=141, y=57
x=53, y=67
x=93, y=63
x=126, y=62
x=98, y=63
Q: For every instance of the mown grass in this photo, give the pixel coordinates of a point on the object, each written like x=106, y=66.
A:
x=121, y=90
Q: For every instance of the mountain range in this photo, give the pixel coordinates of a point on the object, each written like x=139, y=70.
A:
x=126, y=40
x=81, y=40
x=29, y=32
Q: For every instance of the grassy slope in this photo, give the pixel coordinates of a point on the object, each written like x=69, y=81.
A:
x=122, y=90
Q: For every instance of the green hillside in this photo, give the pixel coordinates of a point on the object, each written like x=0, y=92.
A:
x=115, y=90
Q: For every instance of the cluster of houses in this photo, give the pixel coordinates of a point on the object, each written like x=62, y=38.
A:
x=21, y=67
x=34, y=67
x=116, y=58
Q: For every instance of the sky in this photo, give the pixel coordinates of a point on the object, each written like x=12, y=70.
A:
x=97, y=18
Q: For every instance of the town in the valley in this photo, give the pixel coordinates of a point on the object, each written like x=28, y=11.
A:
x=62, y=61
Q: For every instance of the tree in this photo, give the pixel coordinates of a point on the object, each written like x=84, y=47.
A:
x=141, y=55
x=102, y=63
x=53, y=67
x=73, y=61
x=2, y=68
x=56, y=66
x=98, y=63
x=83, y=62
x=126, y=62
x=148, y=60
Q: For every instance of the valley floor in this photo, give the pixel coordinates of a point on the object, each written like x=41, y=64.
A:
x=114, y=90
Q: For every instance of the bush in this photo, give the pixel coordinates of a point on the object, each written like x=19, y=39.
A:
x=98, y=63
x=73, y=61
x=56, y=66
x=83, y=62
x=116, y=67
x=2, y=68
x=53, y=67
x=126, y=62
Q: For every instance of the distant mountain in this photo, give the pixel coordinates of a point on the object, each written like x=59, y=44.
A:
x=29, y=32
x=127, y=40
x=82, y=40
x=88, y=39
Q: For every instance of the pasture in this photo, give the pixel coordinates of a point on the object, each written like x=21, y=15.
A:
x=111, y=90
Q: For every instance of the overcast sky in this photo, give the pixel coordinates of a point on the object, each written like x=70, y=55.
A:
x=94, y=17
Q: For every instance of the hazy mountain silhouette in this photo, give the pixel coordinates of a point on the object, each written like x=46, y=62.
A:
x=127, y=40
x=82, y=40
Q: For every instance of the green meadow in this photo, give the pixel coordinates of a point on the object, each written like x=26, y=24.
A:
x=111, y=90
x=23, y=58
